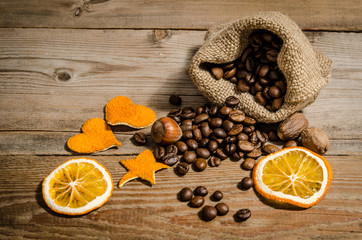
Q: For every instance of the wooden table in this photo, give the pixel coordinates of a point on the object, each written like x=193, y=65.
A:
x=61, y=61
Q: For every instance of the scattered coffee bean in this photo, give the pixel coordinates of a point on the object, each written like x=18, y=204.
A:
x=222, y=209
x=273, y=136
x=201, y=191
x=255, y=153
x=246, y=183
x=192, y=144
x=221, y=154
x=159, y=152
x=171, y=149
x=290, y=143
x=175, y=100
x=248, y=164
x=200, y=164
x=217, y=72
x=200, y=118
x=246, y=146
x=182, y=168
x=214, y=161
x=217, y=196
x=237, y=116
x=219, y=133
x=170, y=159
x=208, y=213
x=189, y=157
x=203, y=153
x=242, y=215
x=212, y=146
x=270, y=148
x=140, y=138
x=225, y=110
x=181, y=146
x=185, y=194
x=232, y=101
x=197, y=201
x=197, y=134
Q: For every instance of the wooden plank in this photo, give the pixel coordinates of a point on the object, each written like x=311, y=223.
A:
x=54, y=143
x=320, y=15
x=36, y=94
x=138, y=211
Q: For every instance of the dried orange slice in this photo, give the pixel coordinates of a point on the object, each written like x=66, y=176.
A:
x=77, y=186
x=293, y=175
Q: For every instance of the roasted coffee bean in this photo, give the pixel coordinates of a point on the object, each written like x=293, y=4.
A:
x=201, y=191
x=187, y=122
x=228, y=66
x=192, y=144
x=248, y=129
x=176, y=119
x=204, y=143
x=140, y=138
x=225, y=110
x=171, y=149
x=246, y=146
x=219, y=133
x=215, y=122
x=218, y=140
x=236, y=129
x=274, y=75
x=185, y=194
x=208, y=213
x=212, y=146
x=290, y=143
x=255, y=39
x=214, y=161
x=272, y=55
x=267, y=36
x=175, y=100
x=277, y=103
x=181, y=146
x=182, y=168
x=266, y=94
x=229, y=148
x=250, y=79
x=230, y=139
x=185, y=128
x=233, y=80
x=159, y=152
x=232, y=101
x=263, y=137
x=282, y=86
x=221, y=154
x=170, y=159
x=246, y=183
x=200, y=164
x=253, y=138
x=237, y=116
x=203, y=153
x=213, y=110
x=200, y=118
x=252, y=90
x=263, y=71
x=206, y=131
x=199, y=110
x=255, y=153
x=227, y=125
x=197, y=201
x=249, y=121
x=217, y=196
x=241, y=74
x=197, y=134
x=188, y=115
x=264, y=81
x=249, y=64
x=187, y=134
x=245, y=54
x=242, y=215
x=217, y=72
x=237, y=156
x=274, y=92
x=222, y=209
x=248, y=164
x=273, y=136
x=189, y=157
x=258, y=87
x=230, y=73
x=175, y=112
x=243, y=86
x=242, y=136
x=259, y=98
x=270, y=148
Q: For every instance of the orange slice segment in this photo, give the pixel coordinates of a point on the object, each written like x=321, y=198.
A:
x=293, y=175
x=77, y=186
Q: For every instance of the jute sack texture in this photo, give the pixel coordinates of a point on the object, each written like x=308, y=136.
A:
x=306, y=69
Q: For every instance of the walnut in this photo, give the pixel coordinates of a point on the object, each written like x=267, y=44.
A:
x=315, y=139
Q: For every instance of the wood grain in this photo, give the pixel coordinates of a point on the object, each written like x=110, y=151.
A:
x=138, y=211
x=317, y=15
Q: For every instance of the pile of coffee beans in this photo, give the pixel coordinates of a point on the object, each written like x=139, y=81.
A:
x=256, y=71
x=196, y=200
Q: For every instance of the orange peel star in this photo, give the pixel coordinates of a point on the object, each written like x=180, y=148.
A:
x=121, y=111
x=96, y=136
x=143, y=166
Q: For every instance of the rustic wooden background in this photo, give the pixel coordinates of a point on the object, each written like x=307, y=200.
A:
x=61, y=61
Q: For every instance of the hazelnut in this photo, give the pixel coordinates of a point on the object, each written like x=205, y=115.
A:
x=166, y=131
x=315, y=139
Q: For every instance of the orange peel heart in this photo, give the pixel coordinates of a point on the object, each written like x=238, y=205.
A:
x=121, y=111
x=96, y=136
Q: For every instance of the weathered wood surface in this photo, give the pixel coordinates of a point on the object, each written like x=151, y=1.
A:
x=317, y=15
x=138, y=211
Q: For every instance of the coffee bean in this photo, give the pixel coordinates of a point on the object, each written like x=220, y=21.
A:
x=218, y=140
x=232, y=101
x=241, y=74
x=203, y=153
x=253, y=138
x=258, y=86
x=250, y=79
x=259, y=98
x=205, y=130
x=272, y=55
x=236, y=129
x=214, y=161
x=208, y=213
x=237, y=156
x=245, y=146
x=171, y=149
x=248, y=129
x=159, y=152
x=221, y=154
x=212, y=146
x=230, y=73
x=187, y=134
x=228, y=66
x=185, y=194
x=213, y=111
x=227, y=125
x=255, y=153
x=219, y=133
x=189, y=157
x=170, y=159
x=242, y=215
x=229, y=148
x=175, y=112
x=192, y=144
x=263, y=71
x=277, y=103
x=267, y=36
x=188, y=115
x=200, y=118
x=215, y=122
x=290, y=143
x=264, y=81
x=217, y=72
x=230, y=139
x=282, y=86
x=233, y=80
x=201, y=191
x=225, y=110
x=249, y=121
x=140, y=138
x=274, y=75
x=185, y=128
x=273, y=136
x=197, y=134
x=182, y=168
x=243, y=86
x=175, y=100
x=217, y=196
x=248, y=164
x=245, y=54
x=200, y=164
x=246, y=183
x=249, y=64
x=222, y=209
x=197, y=201
x=199, y=110
x=274, y=92
x=262, y=136
x=237, y=116
x=270, y=148
x=242, y=136
x=181, y=146
x=204, y=143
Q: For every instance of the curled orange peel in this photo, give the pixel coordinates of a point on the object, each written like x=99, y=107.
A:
x=121, y=111
x=96, y=136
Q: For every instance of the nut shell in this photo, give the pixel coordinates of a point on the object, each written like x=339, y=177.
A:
x=315, y=139
x=291, y=127
x=166, y=131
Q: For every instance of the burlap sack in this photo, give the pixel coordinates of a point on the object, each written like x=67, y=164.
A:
x=306, y=69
